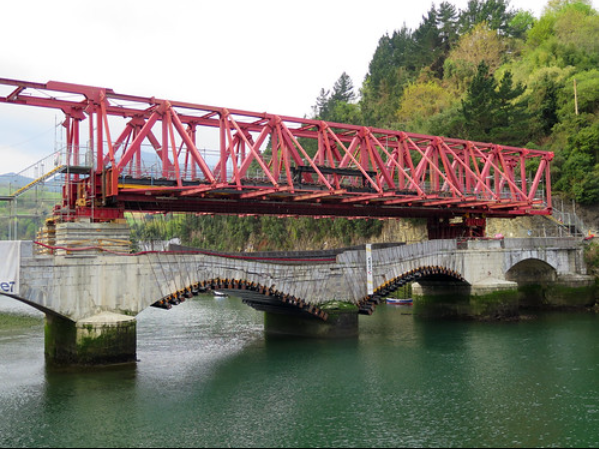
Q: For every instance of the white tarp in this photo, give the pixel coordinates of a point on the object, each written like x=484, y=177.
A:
x=10, y=262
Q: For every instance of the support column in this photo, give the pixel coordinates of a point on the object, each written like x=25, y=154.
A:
x=106, y=338
x=486, y=299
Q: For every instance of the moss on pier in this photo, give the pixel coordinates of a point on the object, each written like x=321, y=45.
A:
x=496, y=304
x=87, y=343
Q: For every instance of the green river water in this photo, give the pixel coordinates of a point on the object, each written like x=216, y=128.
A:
x=208, y=377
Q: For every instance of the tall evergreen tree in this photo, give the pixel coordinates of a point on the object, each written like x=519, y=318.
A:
x=390, y=70
x=322, y=101
x=479, y=105
x=333, y=106
x=427, y=40
x=494, y=12
x=492, y=111
x=343, y=90
x=447, y=18
x=512, y=116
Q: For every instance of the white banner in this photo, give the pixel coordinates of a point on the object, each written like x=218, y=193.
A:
x=369, y=278
x=10, y=263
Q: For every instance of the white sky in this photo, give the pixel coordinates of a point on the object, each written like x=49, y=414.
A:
x=259, y=55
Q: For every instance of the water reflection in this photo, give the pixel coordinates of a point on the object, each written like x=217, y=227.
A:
x=208, y=376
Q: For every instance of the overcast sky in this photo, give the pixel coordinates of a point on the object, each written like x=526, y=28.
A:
x=258, y=55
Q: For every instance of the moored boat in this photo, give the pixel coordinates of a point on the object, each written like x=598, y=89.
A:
x=220, y=294
x=396, y=301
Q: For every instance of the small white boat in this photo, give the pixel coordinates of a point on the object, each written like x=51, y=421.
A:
x=395, y=301
x=220, y=294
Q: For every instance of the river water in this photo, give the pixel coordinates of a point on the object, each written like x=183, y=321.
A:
x=208, y=377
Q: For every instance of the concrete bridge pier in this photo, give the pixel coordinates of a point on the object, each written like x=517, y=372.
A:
x=106, y=338
x=488, y=298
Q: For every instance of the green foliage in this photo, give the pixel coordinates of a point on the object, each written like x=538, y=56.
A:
x=521, y=23
x=28, y=213
x=492, y=111
x=336, y=106
x=493, y=12
x=421, y=100
x=591, y=257
x=238, y=234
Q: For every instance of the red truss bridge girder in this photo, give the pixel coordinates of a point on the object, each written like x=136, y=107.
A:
x=263, y=163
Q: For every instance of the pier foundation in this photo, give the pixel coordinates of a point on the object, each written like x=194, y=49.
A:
x=106, y=338
x=490, y=298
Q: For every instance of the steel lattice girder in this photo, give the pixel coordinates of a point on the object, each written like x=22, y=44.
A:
x=266, y=163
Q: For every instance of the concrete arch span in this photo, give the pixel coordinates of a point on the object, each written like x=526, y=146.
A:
x=255, y=295
x=418, y=274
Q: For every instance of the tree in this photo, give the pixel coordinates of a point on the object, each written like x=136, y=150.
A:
x=545, y=86
x=493, y=111
x=479, y=105
x=481, y=43
x=587, y=95
x=511, y=116
x=335, y=106
x=426, y=41
x=521, y=23
x=420, y=101
x=448, y=25
x=434, y=37
x=322, y=101
x=390, y=70
x=495, y=13
x=343, y=90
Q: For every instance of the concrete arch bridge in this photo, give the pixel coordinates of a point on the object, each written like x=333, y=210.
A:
x=91, y=296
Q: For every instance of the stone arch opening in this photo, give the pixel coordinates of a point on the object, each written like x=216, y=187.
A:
x=422, y=274
x=531, y=271
x=255, y=295
x=534, y=278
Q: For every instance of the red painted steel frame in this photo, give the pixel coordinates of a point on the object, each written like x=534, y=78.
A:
x=271, y=164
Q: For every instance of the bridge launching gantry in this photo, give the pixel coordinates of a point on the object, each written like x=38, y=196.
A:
x=152, y=155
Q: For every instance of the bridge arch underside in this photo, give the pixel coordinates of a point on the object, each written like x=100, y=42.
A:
x=255, y=295
x=539, y=285
x=531, y=271
x=424, y=275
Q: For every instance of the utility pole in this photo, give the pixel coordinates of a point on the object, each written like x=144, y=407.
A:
x=575, y=98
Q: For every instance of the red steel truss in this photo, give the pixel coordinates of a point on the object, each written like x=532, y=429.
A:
x=143, y=153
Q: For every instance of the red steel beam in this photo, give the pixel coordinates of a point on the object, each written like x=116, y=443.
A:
x=262, y=157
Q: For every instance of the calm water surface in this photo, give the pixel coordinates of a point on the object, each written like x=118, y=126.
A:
x=208, y=377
